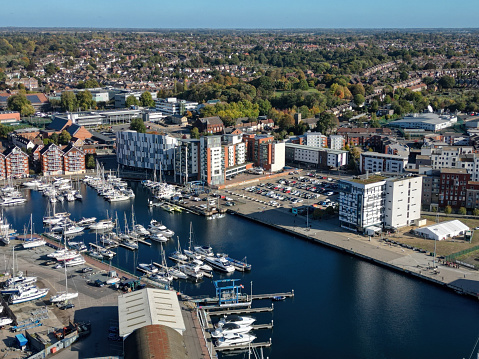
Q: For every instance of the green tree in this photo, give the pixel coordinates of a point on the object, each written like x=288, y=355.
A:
x=131, y=101
x=64, y=138
x=146, y=99
x=68, y=101
x=462, y=211
x=475, y=212
x=327, y=122
x=359, y=99
x=448, y=210
x=90, y=161
x=447, y=82
x=137, y=125
x=21, y=104
x=85, y=100
x=195, y=133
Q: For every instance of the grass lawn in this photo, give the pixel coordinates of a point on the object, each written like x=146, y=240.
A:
x=443, y=248
x=278, y=93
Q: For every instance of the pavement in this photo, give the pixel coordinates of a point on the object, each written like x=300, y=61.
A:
x=328, y=232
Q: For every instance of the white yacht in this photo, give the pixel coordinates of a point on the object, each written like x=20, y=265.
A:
x=72, y=229
x=103, y=225
x=206, y=251
x=86, y=221
x=78, y=261
x=57, y=253
x=158, y=237
x=234, y=339
x=38, y=242
x=176, y=273
x=220, y=263
x=157, y=227
x=192, y=271
x=236, y=319
x=12, y=201
x=148, y=268
x=28, y=295
x=203, y=266
x=138, y=228
x=67, y=256
x=230, y=328
x=64, y=296
x=32, y=184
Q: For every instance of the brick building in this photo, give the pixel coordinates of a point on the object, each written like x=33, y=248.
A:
x=453, y=185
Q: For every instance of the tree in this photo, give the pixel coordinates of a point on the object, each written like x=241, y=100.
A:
x=131, y=101
x=90, y=161
x=195, y=133
x=137, y=125
x=68, y=101
x=475, y=212
x=447, y=82
x=327, y=122
x=462, y=211
x=21, y=104
x=448, y=210
x=146, y=99
x=359, y=99
x=64, y=138
x=85, y=100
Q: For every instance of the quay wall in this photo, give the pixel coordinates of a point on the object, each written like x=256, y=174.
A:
x=373, y=259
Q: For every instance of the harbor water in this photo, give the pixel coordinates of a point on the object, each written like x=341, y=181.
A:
x=343, y=307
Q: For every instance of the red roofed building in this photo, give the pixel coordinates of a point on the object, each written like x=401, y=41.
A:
x=16, y=163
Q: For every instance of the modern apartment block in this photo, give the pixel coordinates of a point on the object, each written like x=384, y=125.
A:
x=144, y=150
x=234, y=154
x=73, y=160
x=321, y=158
x=316, y=139
x=402, y=206
x=379, y=201
x=453, y=185
x=211, y=160
x=380, y=162
x=15, y=163
x=336, y=142
x=51, y=160
x=265, y=152
x=187, y=160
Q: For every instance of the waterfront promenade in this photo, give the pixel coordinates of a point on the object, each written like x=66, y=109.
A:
x=374, y=249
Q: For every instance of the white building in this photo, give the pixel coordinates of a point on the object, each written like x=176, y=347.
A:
x=277, y=156
x=376, y=201
x=143, y=150
x=380, y=162
x=402, y=205
x=211, y=160
x=323, y=158
x=426, y=121
x=187, y=160
x=336, y=142
x=316, y=139
x=172, y=106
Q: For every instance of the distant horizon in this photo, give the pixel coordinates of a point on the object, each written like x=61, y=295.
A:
x=249, y=14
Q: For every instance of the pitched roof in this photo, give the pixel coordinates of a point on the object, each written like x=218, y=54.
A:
x=13, y=148
x=58, y=124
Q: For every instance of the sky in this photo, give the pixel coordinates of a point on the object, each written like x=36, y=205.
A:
x=246, y=14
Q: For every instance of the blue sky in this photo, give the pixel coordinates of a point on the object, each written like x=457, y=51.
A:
x=240, y=14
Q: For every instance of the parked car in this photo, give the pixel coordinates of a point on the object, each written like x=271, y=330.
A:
x=67, y=306
x=87, y=269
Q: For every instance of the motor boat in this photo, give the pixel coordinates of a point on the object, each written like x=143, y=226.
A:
x=148, y=268
x=156, y=226
x=28, y=295
x=15, y=289
x=12, y=201
x=162, y=278
x=177, y=256
x=20, y=280
x=234, y=339
x=176, y=273
x=58, y=253
x=102, y=225
x=86, y=221
x=206, y=251
x=72, y=230
x=158, y=237
x=230, y=328
x=78, y=261
x=191, y=254
x=66, y=256
x=236, y=319
x=138, y=228
x=202, y=265
x=78, y=246
x=220, y=263
x=192, y=271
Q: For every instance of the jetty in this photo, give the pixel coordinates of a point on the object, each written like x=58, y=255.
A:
x=245, y=346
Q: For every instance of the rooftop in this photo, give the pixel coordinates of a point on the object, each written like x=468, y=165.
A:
x=368, y=179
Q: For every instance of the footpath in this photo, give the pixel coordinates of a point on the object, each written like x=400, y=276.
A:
x=462, y=280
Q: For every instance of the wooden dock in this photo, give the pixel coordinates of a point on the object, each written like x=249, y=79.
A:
x=245, y=346
x=236, y=311
x=263, y=326
x=127, y=247
x=142, y=241
x=272, y=295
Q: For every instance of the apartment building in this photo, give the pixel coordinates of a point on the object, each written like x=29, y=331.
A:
x=51, y=160
x=211, y=160
x=73, y=160
x=316, y=139
x=379, y=202
x=380, y=162
x=402, y=205
x=234, y=154
x=145, y=150
x=16, y=163
x=265, y=152
x=453, y=186
x=336, y=142
x=187, y=160
x=321, y=158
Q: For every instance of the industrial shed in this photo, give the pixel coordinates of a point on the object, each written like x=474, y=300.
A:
x=149, y=306
x=444, y=230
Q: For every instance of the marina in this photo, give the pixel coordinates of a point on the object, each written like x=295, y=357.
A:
x=354, y=287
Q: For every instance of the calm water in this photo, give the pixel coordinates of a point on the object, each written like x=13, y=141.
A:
x=343, y=308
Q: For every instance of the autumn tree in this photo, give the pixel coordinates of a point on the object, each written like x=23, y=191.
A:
x=21, y=104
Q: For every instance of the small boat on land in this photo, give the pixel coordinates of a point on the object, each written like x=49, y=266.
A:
x=5, y=321
x=28, y=295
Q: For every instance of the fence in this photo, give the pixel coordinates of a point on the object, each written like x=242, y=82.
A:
x=454, y=256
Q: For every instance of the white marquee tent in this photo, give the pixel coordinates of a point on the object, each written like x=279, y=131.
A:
x=441, y=231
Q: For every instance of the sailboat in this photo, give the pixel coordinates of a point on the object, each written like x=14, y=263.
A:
x=189, y=252
x=33, y=242
x=64, y=296
x=178, y=254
